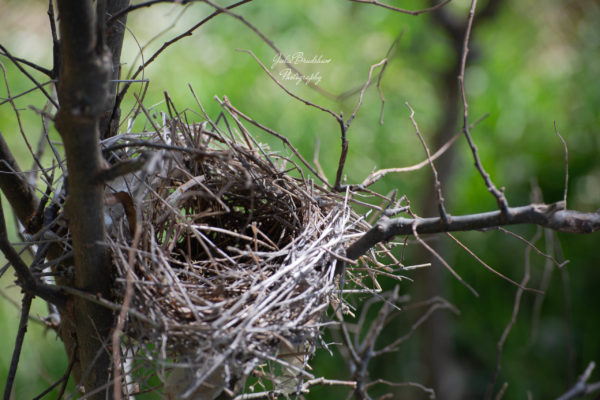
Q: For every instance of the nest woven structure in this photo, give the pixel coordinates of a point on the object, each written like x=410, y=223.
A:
x=233, y=266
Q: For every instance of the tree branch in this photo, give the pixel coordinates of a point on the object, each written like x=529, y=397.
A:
x=582, y=388
x=15, y=187
x=402, y=10
x=14, y=362
x=552, y=216
x=29, y=283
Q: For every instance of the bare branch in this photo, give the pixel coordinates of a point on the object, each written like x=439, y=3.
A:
x=281, y=137
x=437, y=184
x=534, y=247
x=63, y=379
x=28, y=75
x=441, y=259
x=480, y=261
x=116, y=335
x=499, y=195
x=566, y=150
x=429, y=391
x=582, y=388
x=551, y=216
x=402, y=10
x=377, y=175
x=307, y=102
x=169, y=43
x=134, y=7
x=29, y=283
x=30, y=64
x=14, y=362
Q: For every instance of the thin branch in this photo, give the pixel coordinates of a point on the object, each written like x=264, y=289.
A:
x=345, y=126
x=402, y=10
x=566, y=150
x=30, y=64
x=28, y=75
x=20, y=122
x=295, y=96
x=14, y=362
x=169, y=43
x=377, y=175
x=281, y=137
x=343, y=153
x=116, y=335
x=545, y=282
x=440, y=258
x=134, y=7
x=480, y=261
x=437, y=184
x=582, y=388
x=501, y=392
x=364, y=89
x=429, y=391
x=499, y=195
x=534, y=247
x=63, y=379
x=435, y=304
x=33, y=89
x=29, y=283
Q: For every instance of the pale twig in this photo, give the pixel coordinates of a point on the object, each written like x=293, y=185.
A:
x=377, y=175
x=480, y=261
x=534, y=247
x=417, y=385
x=441, y=259
x=127, y=298
x=402, y=10
x=434, y=304
x=281, y=137
x=501, y=392
x=582, y=388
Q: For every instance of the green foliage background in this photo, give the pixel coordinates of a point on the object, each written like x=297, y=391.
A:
x=533, y=64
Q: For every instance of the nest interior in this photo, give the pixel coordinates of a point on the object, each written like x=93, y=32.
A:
x=234, y=265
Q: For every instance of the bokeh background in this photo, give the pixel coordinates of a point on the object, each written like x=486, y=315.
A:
x=531, y=63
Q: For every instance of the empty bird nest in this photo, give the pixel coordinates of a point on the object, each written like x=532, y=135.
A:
x=232, y=268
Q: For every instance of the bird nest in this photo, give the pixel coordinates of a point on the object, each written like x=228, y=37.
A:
x=233, y=264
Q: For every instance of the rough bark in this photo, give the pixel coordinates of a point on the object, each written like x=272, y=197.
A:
x=83, y=90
